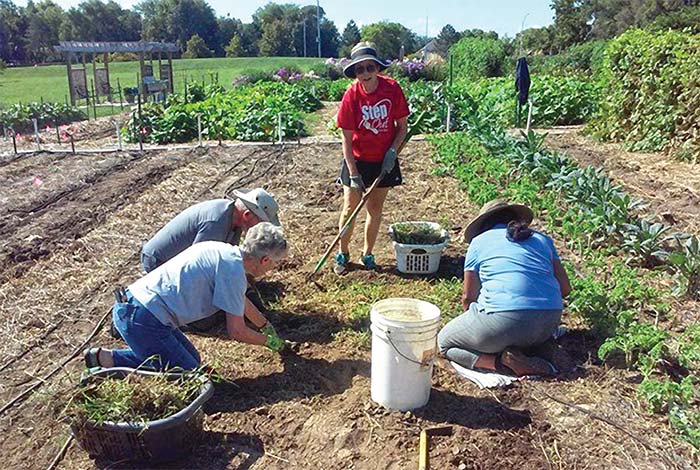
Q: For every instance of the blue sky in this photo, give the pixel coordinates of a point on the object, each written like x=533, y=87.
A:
x=503, y=16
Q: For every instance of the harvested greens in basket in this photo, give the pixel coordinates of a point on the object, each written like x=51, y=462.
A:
x=417, y=233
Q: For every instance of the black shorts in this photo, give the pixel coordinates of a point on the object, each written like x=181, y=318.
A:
x=369, y=172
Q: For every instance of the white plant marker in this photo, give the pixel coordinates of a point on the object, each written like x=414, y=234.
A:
x=279, y=128
x=119, y=136
x=529, y=117
x=449, y=117
x=36, y=133
x=199, y=129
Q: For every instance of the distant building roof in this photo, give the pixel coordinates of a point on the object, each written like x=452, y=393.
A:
x=430, y=48
x=102, y=47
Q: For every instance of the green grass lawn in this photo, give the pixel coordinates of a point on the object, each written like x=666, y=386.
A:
x=50, y=83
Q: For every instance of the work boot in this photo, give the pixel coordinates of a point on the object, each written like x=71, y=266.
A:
x=341, y=263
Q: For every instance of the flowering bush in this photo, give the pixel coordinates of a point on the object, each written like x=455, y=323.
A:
x=331, y=68
x=287, y=75
x=431, y=68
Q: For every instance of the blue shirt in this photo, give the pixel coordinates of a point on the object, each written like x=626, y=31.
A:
x=514, y=275
x=195, y=284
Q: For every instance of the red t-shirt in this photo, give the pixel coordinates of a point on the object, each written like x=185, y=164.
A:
x=371, y=117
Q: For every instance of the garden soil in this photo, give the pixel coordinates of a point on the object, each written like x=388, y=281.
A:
x=670, y=188
x=71, y=228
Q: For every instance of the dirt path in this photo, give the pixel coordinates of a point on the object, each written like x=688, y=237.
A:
x=671, y=188
x=312, y=410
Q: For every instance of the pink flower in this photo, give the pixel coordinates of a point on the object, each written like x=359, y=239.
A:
x=37, y=181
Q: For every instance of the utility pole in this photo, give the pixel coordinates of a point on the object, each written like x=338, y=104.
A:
x=318, y=26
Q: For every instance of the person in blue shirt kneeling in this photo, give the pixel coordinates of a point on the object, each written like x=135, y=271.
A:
x=514, y=285
x=201, y=280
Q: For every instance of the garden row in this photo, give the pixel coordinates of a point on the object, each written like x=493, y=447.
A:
x=19, y=117
x=252, y=111
x=622, y=257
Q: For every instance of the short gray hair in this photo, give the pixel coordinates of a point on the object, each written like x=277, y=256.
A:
x=264, y=239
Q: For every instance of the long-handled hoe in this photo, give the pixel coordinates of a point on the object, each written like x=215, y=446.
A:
x=413, y=129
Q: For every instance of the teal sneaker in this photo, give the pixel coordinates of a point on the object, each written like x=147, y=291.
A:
x=341, y=263
x=368, y=261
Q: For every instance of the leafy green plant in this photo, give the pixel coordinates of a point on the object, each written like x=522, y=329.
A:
x=664, y=395
x=634, y=339
x=19, y=116
x=685, y=263
x=645, y=242
x=246, y=113
x=651, y=88
x=478, y=57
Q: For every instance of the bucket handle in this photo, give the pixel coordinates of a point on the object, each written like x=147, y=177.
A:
x=422, y=364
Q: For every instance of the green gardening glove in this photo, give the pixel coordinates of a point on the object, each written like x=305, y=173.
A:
x=275, y=343
x=268, y=329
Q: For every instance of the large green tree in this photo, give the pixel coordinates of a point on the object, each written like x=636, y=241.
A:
x=179, y=20
x=389, y=37
x=94, y=20
x=228, y=29
x=196, y=48
x=447, y=36
x=13, y=26
x=571, y=25
x=350, y=37
x=44, y=20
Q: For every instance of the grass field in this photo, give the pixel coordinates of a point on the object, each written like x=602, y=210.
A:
x=50, y=83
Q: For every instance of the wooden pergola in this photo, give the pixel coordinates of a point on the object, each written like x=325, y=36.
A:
x=78, y=51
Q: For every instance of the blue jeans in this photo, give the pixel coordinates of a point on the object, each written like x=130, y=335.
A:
x=477, y=332
x=152, y=343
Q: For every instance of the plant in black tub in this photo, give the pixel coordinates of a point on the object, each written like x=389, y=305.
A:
x=138, y=415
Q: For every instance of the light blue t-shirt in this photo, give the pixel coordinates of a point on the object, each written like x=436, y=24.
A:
x=208, y=220
x=203, y=279
x=514, y=275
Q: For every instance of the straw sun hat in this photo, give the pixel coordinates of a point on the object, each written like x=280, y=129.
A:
x=491, y=208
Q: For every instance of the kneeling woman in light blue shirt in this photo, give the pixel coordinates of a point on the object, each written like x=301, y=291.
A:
x=514, y=284
x=205, y=278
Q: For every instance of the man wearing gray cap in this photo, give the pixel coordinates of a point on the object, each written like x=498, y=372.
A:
x=220, y=220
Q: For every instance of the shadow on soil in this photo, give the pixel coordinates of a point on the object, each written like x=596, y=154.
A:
x=302, y=377
x=471, y=412
x=215, y=450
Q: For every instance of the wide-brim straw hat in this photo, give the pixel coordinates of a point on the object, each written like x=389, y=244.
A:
x=476, y=226
x=361, y=52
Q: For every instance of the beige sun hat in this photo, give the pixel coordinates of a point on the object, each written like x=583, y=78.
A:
x=488, y=210
x=260, y=202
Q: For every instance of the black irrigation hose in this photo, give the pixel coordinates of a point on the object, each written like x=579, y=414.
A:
x=74, y=354
x=61, y=453
x=36, y=343
x=619, y=427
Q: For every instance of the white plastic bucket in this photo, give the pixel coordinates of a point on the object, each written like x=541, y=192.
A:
x=403, y=351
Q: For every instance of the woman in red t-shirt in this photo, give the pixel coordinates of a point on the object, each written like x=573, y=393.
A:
x=373, y=117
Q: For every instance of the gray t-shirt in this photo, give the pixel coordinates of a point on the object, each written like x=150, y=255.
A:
x=203, y=279
x=208, y=220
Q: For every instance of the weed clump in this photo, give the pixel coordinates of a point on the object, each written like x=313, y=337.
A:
x=133, y=399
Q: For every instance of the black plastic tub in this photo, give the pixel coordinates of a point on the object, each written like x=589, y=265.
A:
x=162, y=440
